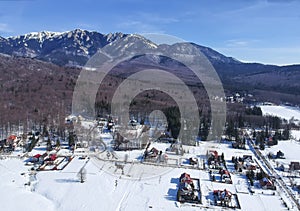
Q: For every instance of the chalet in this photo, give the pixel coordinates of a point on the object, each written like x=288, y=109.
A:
x=225, y=176
x=222, y=197
x=284, y=167
x=247, y=157
x=155, y=154
x=298, y=188
x=36, y=157
x=185, y=178
x=294, y=166
x=249, y=164
x=214, y=160
x=212, y=154
x=266, y=183
x=51, y=158
x=193, y=161
x=271, y=141
x=11, y=141
x=280, y=154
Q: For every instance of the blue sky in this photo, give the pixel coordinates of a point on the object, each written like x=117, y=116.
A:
x=266, y=31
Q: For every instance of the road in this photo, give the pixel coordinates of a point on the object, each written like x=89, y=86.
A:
x=270, y=170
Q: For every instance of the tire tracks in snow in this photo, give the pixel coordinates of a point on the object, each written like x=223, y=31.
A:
x=133, y=184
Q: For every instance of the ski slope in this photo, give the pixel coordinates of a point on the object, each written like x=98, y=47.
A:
x=284, y=112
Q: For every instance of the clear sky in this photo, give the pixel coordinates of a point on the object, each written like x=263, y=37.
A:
x=266, y=31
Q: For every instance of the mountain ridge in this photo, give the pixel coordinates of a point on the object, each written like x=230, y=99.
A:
x=76, y=47
x=32, y=44
x=82, y=43
x=73, y=47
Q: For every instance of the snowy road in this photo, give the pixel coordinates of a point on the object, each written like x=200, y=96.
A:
x=280, y=183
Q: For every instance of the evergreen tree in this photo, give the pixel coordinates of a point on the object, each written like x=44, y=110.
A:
x=45, y=131
x=173, y=118
x=286, y=133
x=240, y=121
x=236, y=135
x=71, y=139
x=277, y=135
x=49, y=145
x=204, y=128
x=267, y=131
x=254, y=133
x=254, y=111
x=57, y=143
x=230, y=131
x=261, y=141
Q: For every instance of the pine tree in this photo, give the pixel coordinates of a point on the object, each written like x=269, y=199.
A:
x=286, y=133
x=45, y=131
x=267, y=131
x=57, y=143
x=254, y=133
x=49, y=145
x=230, y=132
x=71, y=139
x=262, y=142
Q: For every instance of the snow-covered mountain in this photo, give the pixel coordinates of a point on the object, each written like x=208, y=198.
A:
x=63, y=48
x=77, y=46
x=216, y=57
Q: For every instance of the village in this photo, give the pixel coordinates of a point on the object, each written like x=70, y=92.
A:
x=163, y=173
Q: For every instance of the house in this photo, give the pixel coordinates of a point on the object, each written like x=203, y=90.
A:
x=266, y=183
x=185, y=178
x=53, y=157
x=37, y=156
x=280, y=154
x=249, y=165
x=12, y=137
x=298, y=187
x=284, y=167
x=212, y=159
x=225, y=176
x=153, y=153
x=212, y=154
x=222, y=197
x=294, y=166
x=193, y=161
x=247, y=157
x=11, y=140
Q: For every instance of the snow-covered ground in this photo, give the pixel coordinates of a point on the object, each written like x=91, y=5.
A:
x=132, y=185
x=14, y=195
x=295, y=134
x=285, y=112
x=290, y=148
x=141, y=187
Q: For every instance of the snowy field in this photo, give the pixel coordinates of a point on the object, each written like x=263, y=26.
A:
x=295, y=134
x=141, y=187
x=290, y=148
x=284, y=112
